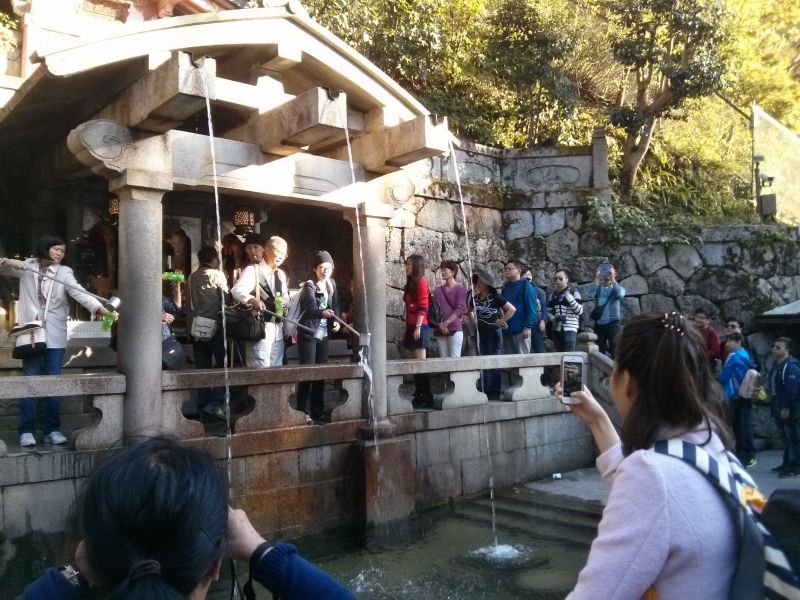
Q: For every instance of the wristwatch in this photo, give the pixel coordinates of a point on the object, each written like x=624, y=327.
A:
x=73, y=576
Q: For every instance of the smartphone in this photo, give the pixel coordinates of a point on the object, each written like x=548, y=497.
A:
x=571, y=377
x=605, y=269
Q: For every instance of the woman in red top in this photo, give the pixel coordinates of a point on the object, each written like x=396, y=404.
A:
x=418, y=334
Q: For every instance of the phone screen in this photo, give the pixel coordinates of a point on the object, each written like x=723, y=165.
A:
x=571, y=377
x=605, y=268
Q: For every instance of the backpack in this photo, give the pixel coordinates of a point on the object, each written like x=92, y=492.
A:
x=768, y=562
x=293, y=312
x=434, y=311
x=751, y=383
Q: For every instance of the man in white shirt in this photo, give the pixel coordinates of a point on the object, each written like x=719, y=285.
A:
x=266, y=256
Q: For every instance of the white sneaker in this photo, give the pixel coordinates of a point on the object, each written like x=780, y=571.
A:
x=55, y=437
x=27, y=440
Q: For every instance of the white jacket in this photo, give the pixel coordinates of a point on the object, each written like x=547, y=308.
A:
x=29, y=308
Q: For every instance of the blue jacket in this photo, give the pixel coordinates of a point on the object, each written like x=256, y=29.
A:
x=281, y=570
x=736, y=366
x=521, y=294
x=601, y=294
x=784, y=387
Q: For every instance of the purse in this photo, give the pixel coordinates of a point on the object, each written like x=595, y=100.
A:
x=244, y=323
x=203, y=328
x=30, y=339
x=172, y=354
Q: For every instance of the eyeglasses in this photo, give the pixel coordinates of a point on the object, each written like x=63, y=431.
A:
x=778, y=347
x=731, y=326
x=559, y=278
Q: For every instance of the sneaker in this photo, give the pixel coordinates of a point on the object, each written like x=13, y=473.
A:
x=309, y=420
x=752, y=462
x=26, y=440
x=216, y=412
x=55, y=437
x=790, y=472
x=779, y=468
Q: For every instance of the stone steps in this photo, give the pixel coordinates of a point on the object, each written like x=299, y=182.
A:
x=542, y=520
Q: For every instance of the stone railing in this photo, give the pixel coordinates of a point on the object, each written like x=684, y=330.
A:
x=106, y=393
x=462, y=374
x=266, y=396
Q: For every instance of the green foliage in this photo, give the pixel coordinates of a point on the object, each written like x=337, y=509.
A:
x=7, y=26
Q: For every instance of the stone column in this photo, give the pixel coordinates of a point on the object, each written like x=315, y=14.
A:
x=139, y=341
x=139, y=170
x=369, y=245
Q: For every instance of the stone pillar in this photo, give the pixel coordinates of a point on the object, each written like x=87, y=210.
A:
x=139, y=170
x=139, y=341
x=369, y=245
x=602, y=189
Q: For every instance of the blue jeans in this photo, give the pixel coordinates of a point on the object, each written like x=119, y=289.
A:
x=49, y=363
x=204, y=353
x=607, y=337
x=565, y=341
x=490, y=342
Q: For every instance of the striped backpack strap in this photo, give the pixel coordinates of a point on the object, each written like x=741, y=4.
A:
x=779, y=579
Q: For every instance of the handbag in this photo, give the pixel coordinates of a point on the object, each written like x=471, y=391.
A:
x=434, y=312
x=244, y=323
x=30, y=339
x=172, y=354
x=597, y=311
x=203, y=328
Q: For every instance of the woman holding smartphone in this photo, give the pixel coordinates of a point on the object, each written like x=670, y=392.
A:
x=665, y=527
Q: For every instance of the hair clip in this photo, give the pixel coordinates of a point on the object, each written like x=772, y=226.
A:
x=673, y=321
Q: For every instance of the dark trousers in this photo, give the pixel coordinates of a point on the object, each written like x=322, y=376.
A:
x=742, y=421
x=311, y=394
x=490, y=342
x=790, y=432
x=204, y=354
x=607, y=337
x=47, y=363
x=537, y=340
x=564, y=341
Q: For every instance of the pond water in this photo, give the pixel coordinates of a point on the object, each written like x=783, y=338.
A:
x=451, y=553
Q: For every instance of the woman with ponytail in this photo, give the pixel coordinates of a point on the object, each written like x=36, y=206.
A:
x=156, y=525
x=665, y=528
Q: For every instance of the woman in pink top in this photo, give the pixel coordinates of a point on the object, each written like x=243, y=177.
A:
x=452, y=299
x=665, y=527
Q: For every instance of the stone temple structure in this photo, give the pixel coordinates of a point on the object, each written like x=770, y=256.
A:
x=104, y=135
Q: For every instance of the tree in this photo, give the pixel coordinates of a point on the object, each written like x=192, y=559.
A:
x=526, y=45
x=672, y=50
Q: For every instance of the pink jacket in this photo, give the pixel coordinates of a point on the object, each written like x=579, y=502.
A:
x=664, y=524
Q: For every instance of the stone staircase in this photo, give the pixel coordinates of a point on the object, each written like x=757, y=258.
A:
x=538, y=515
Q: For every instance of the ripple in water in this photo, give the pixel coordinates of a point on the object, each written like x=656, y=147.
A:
x=500, y=554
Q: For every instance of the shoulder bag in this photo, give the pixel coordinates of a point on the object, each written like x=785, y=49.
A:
x=30, y=339
x=244, y=323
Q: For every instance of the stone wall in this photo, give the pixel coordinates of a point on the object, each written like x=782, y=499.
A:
x=550, y=209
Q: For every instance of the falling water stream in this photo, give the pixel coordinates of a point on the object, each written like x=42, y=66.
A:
x=225, y=365
x=498, y=552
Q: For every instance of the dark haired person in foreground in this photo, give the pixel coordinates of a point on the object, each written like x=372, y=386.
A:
x=156, y=524
x=665, y=527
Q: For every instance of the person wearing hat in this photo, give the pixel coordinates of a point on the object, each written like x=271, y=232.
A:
x=266, y=255
x=490, y=312
x=319, y=302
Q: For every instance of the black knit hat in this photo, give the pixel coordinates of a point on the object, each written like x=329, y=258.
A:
x=319, y=257
x=255, y=238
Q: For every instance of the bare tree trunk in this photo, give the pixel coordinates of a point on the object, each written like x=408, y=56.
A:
x=634, y=149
